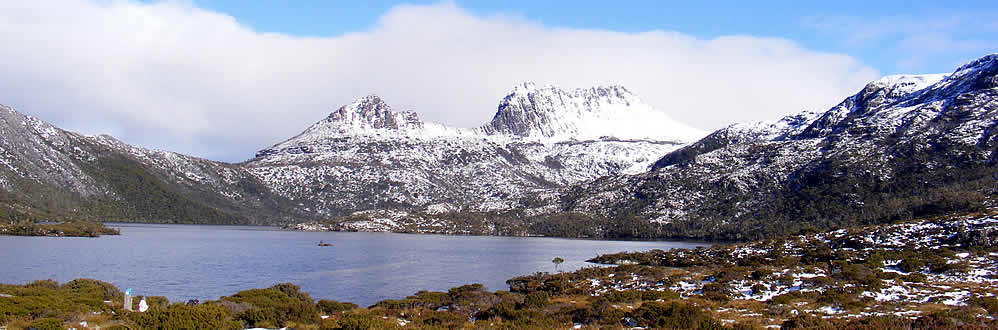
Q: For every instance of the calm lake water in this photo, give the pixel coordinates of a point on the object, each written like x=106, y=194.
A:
x=185, y=262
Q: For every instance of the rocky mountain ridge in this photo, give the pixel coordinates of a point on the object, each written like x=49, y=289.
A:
x=362, y=156
x=365, y=156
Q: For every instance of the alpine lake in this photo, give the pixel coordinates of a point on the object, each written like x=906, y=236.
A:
x=184, y=262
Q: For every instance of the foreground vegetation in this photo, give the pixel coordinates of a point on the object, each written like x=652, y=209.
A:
x=936, y=273
x=64, y=229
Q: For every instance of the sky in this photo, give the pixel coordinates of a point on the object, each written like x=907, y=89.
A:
x=223, y=79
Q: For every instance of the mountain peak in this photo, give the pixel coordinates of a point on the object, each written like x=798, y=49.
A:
x=613, y=111
x=369, y=112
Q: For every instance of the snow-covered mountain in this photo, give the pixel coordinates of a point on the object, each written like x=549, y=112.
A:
x=363, y=156
x=551, y=162
x=584, y=114
x=903, y=146
x=367, y=156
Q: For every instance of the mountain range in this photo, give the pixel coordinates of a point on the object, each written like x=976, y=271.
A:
x=593, y=162
x=363, y=156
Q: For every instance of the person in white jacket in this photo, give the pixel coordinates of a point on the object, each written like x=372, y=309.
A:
x=143, y=306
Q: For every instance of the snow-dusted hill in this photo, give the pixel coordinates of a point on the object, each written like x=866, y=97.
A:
x=366, y=156
x=903, y=146
x=50, y=173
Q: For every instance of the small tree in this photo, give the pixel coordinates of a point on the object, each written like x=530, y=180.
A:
x=557, y=261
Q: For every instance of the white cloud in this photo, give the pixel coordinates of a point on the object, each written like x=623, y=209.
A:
x=176, y=77
x=915, y=40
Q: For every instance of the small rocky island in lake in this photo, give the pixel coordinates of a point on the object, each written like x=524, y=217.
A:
x=62, y=229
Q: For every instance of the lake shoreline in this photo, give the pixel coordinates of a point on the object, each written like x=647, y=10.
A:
x=936, y=273
x=319, y=227
x=205, y=262
x=61, y=229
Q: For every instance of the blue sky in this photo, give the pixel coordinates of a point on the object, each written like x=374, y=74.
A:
x=892, y=36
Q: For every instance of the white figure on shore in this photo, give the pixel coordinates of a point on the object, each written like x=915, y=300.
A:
x=143, y=306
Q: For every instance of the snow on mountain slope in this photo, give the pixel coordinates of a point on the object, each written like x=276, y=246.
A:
x=31, y=151
x=59, y=173
x=899, y=147
x=584, y=114
x=368, y=118
x=366, y=156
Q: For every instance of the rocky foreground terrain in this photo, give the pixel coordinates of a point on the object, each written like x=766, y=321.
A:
x=906, y=270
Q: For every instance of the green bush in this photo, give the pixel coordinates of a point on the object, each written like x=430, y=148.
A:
x=293, y=291
x=875, y=260
x=912, y=263
x=807, y=322
x=536, y=299
x=759, y=288
x=360, y=321
x=464, y=289
x=398, y=304
x=47, y=324
x=600, y=310
x=86, y=287
x=717, y=292
x=157, y=301
x=673, y=315
x=761, y=273
x=179, y=316
x=656, y=295
x=859, y=274
x=261, y=318
x=434, y=319
x=278, y=304
x=435, y=299
x=46, y=284
x=332, y=306
x=838, y=297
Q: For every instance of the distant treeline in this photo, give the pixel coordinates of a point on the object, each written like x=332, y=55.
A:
x=65, y=229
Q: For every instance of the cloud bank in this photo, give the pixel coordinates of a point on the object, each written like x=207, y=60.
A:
x=173, y=76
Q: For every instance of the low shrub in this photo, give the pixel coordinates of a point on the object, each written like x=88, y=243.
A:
x=47, y=324
x=658, y=295
x=332, y=306
x=536, y=299
x=807, y=322
x=674, y=315
x=359, y=321
x=179, y=316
